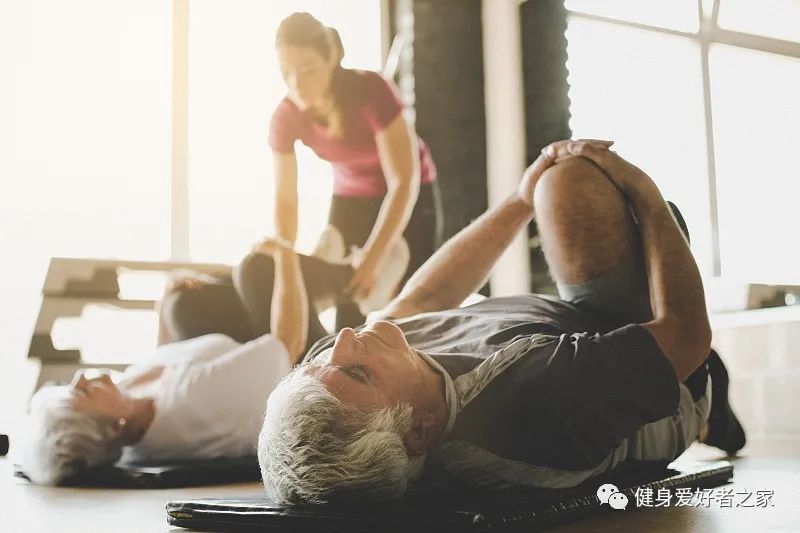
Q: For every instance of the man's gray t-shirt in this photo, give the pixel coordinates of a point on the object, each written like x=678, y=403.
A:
x=564, y=404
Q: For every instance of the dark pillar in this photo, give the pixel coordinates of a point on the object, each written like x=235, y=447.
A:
x=544, y=60
x=441, y=78
x=441, y=75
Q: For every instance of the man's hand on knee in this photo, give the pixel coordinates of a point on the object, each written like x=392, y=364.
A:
x=550, y=155
x=626, y=176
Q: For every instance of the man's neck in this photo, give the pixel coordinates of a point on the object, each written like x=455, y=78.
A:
x=436, y=400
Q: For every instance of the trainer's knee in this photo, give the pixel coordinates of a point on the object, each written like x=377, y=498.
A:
x=575, y=184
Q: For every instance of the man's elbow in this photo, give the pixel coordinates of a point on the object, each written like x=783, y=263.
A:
x=697, y=346
x=685, y=343
x=703, y=340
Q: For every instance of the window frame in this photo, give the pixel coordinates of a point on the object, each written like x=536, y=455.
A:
x=709, y=33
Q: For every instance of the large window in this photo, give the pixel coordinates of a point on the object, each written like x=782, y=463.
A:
x=84, y=152
x=86, y=142
x=703, y=95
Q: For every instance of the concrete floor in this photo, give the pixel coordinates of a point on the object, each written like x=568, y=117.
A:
x=774, y=466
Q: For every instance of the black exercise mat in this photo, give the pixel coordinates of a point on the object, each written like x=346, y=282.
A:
x=165, y=474
x=460, y=511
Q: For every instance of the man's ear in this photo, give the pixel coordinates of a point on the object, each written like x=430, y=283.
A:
x=420, y=437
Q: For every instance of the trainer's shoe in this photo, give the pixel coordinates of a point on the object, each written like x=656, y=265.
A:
x=387, y=279
x=724, y=430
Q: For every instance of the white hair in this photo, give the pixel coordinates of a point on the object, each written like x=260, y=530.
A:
x=313, y=448
x=62, y=441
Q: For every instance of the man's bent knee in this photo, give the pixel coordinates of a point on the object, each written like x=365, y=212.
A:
x=583, y=220
x=573, y=179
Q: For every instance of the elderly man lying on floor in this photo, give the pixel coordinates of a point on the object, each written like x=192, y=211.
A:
x=516, y=391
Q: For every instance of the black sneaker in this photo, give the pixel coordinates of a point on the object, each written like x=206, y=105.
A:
x=724, y=430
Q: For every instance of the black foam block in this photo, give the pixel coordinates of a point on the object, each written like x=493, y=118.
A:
x=463, y=510
x=166, y=474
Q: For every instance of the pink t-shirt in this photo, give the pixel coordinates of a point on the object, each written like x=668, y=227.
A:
x=355, y=161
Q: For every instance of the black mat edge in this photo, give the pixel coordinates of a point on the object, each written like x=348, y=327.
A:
x=543, y=513
x=166, y=475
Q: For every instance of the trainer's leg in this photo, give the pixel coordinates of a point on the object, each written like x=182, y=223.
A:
x=354, y=217
x=423, y=231
x=591, y=243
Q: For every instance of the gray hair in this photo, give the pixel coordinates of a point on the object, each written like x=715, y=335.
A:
x=313, y=448
x=62, y=441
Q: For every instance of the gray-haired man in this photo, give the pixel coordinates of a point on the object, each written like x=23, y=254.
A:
x=518, y=391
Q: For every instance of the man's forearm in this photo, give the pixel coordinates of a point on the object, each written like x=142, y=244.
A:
x=675, y=283
x=289, y=308
x=461, y=266
x=676, y=288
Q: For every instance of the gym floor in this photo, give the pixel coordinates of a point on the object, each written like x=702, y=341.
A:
x=763, y=466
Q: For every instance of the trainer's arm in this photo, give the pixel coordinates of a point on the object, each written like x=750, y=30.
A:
x=286, y=197
x=399, y=158
x=680, y=323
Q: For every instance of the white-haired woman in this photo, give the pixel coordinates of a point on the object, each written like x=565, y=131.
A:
x=197, y=398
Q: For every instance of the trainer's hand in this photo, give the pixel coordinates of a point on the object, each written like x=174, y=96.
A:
x=626, y=176
x=550, y=155
x=365, y=276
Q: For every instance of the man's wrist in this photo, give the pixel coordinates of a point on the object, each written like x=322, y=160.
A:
x=520, y=204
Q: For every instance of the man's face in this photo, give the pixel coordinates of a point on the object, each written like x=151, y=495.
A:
x=371, y=369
